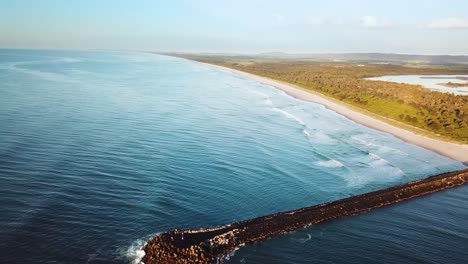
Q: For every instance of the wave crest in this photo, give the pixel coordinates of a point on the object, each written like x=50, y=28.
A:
x=289, y=115
x=330, y=163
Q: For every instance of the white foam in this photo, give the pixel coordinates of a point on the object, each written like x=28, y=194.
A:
x=330, y=163
x=370, y=142
x=280, y=92
x=134, y=253
x=381, y=164
x=69, y=60
x=387, y=149
x=377, y=161
x=268, y=101
x=229, y=255
x=259, y=93
x=322, y=138
x=266, y=97
x=49, y=76
x=364, y=139
x=289, y=115
x=304, y=240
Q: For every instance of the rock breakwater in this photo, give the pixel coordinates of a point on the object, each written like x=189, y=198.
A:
x=210, y=245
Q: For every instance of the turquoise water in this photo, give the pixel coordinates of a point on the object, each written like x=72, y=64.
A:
x=100, y=151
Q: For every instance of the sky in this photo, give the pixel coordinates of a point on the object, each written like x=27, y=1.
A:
x=241, y=26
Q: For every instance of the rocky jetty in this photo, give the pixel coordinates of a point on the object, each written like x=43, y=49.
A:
x=211, y=245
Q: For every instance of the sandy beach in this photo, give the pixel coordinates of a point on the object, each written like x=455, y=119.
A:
x=451, y=150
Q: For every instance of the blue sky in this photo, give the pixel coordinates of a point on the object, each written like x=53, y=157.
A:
x=422, y=27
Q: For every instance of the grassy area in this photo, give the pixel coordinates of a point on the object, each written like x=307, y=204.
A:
x=412, y=107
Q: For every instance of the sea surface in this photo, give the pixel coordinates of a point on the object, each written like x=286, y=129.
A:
x=100, y=151
x=431, y=82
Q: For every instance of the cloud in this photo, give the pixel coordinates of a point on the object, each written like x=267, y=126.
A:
x=366, y=22
x=448, y=23
x=373, y=22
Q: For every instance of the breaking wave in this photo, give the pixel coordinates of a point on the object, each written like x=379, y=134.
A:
x=370, y=142
x=266, y=97
x=69, y=60
x=383, y=165
x=134, y=253
x=329, y=163
x=319, y=137
x=289, y=115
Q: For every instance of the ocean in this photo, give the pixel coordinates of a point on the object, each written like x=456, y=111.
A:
x=100, y=151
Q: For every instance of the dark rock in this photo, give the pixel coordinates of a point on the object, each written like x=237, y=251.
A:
x=210, y=245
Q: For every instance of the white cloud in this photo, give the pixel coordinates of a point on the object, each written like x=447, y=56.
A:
x=373, y=22
x=366, y=21
x=448, y=23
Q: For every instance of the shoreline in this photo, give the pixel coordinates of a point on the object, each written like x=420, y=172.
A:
x=451, y=150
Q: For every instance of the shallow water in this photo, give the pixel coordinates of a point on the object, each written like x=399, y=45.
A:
x=100, y=151
x=431, y=82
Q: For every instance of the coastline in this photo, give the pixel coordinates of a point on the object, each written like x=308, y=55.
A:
x=451, y=150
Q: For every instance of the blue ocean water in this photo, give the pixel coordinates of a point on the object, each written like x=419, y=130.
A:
x=99, y=151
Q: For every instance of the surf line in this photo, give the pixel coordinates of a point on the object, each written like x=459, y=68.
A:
x=212, y=245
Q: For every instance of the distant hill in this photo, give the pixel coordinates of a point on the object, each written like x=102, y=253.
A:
x=372, y=57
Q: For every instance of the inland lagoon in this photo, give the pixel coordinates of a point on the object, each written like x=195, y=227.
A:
x=455, y=84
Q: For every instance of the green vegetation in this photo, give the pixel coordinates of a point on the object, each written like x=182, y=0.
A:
x=441, y=114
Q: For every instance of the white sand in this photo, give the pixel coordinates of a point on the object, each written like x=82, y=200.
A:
x=451, y=150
